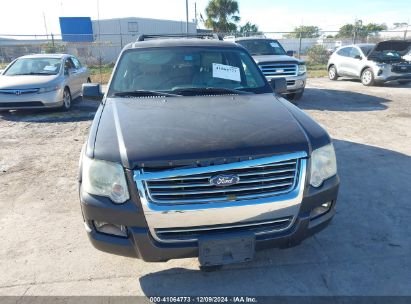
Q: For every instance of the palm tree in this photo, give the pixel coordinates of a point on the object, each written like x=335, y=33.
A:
x=221, y=15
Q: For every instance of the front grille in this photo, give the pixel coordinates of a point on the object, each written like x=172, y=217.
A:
x=18, y=91
x=21, y=104
x=194, y=233
x=262, y=180
x=401, y=68
x=278, y=69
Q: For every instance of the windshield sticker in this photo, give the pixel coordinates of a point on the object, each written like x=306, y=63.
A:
x=226, y=72
x=274, y=44
x=50, y=68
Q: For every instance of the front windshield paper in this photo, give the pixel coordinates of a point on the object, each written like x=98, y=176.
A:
x=274, y=44
x=226, y=72
x=50, y=68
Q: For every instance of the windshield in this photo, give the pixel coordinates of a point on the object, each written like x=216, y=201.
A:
x=366, y=49
x=263, y=47
x=188, y=69
x=34, y=66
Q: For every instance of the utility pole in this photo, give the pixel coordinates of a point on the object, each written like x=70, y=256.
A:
x=187, y=17
x=357, y=25
x=195, y=13
x=45, y=26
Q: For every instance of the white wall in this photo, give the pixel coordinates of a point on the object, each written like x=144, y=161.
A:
x=116, y=33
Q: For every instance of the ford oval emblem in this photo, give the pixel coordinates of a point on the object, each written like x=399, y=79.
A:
x=224, y=180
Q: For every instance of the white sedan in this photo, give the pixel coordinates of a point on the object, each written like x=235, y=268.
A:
x=42, y=81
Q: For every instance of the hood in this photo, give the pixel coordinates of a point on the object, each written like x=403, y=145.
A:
x=25, y=81
x=400, y=46
x=274, y=58
x=153, y=132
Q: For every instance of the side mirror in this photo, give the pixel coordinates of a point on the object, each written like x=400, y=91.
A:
x=290, y=53
x=92, y=91
x=279, y=85
x=66, y=71
x=358, y=57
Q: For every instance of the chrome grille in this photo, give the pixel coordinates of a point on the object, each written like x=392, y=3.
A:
x=278, y=69
x=261, y=180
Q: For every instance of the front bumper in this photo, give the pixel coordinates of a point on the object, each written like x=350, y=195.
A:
x=31, y=101
x=295, y=84
x=385, y=74
x=141, y=244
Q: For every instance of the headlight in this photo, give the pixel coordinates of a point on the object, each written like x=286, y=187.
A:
x=323, y=165
x=104, y=178
x=302, y=69
x=49, y=89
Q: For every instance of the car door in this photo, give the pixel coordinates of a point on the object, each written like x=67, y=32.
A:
x=82, y=71
x=73, y=78
x=354, y=62
x=341, y=61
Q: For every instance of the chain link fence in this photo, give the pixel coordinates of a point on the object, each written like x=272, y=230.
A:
x=101, y=54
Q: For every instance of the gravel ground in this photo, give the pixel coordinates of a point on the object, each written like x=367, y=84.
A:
x=365, y=251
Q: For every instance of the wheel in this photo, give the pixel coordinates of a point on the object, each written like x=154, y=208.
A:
x=367, y=77
x=404, y=82
x=295, y=96
x=66, y=100
x=332, y=73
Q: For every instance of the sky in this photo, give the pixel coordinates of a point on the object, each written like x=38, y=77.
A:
x=269, y=15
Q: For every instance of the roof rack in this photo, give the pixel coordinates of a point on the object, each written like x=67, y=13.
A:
x=199, y=36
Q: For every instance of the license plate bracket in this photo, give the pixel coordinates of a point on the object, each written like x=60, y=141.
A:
x=222, y=250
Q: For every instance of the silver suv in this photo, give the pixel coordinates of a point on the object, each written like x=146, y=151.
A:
x=372, y=63
x=275, y=62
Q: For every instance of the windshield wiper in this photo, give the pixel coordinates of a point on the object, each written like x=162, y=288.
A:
x=208, y=90
x=142, y=93
x=32, y=73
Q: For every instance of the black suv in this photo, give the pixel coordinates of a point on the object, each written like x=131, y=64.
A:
x=191, y=153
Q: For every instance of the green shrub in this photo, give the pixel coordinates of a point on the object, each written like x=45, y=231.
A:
x=317, y=54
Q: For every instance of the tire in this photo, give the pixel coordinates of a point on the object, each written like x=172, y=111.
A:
x=404, y=82
x=367, y=77
x=332, y=73
x=295, y=96
x=67, y=100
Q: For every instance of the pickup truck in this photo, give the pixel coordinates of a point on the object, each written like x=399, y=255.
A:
x=275, y=62
x=193, y=154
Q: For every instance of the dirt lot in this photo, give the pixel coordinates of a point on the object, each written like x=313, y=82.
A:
x=365, y=251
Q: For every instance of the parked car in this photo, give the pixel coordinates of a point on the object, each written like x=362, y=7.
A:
x=372, y=63
x=192, y=154
x=42, y=81
x=275, y=62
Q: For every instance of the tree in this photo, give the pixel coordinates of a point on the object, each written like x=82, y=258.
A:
x=346, y=31
x=362, y=31
x=221, y=15
x=305, y=31
x=249, y=28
